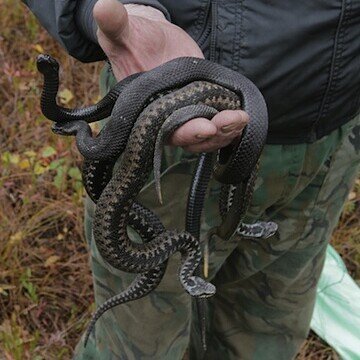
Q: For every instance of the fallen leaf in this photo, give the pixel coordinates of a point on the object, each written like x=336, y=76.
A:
x=65, y=96
x=14, y=159
x=39, y=169
x=48, y=151
x=16, y=238
x=38, y=48
x=51, y=260
x=30, y=154
x=24, y=164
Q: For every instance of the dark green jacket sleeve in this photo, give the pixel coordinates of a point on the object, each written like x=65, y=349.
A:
x=71, y=23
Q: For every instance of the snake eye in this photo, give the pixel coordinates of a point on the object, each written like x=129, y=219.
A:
x=66, y=129
x=57, y=129
x=70, y=128
x=46, y=64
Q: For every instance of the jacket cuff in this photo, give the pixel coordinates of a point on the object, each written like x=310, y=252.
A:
x=85, y=21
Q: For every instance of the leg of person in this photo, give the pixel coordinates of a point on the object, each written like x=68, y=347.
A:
x=266, y=289
x=158, y=325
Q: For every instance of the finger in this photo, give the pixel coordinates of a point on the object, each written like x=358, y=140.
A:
x=193, y=132
x=112, y=19
x=208, y=146
x=230, y=124
x=230, y=120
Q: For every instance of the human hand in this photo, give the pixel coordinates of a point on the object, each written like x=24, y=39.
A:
x=138, y=38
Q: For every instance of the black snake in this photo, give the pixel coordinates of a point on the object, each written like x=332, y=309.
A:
x=139, y=107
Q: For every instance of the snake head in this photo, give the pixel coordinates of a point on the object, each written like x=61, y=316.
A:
x=200, y=288
x=46, y=64
x=67, y=129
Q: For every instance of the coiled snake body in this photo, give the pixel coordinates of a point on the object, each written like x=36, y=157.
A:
x=139, y=107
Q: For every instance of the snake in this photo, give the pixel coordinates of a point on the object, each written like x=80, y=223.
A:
x=49, y=67
x=139, y=106
x=148, y=226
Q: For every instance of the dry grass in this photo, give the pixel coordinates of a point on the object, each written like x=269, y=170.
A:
x=45, y=283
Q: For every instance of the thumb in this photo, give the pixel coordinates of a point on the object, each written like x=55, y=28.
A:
x=112, y=20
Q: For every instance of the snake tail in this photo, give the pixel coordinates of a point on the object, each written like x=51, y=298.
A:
x=142, y=285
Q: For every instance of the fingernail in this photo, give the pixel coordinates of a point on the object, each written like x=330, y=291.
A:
x=201, y=137
x=228, y=128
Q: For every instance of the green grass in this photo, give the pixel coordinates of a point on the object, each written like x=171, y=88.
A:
x=45, y=281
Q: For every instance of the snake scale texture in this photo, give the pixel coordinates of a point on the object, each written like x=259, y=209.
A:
x=139, y=107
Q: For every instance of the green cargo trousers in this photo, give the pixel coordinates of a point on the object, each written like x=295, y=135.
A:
x=265, y=287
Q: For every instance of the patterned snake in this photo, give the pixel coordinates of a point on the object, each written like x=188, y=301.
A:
x=139, y=107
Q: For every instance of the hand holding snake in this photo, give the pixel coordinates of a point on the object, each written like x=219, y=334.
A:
x=138, y=38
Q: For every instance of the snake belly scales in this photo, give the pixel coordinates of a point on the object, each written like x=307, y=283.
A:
x=139, y=106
